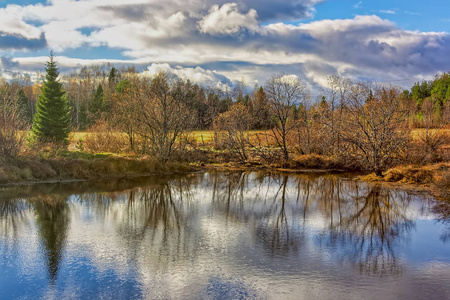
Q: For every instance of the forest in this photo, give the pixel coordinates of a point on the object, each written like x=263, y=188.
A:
x=123, y=113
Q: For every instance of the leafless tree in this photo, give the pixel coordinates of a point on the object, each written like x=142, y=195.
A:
x=337, y=94
x=374, y=125
x=11, y=120
x=125, y=108
x=231, y=130
x=162, y=116
x=284, y=93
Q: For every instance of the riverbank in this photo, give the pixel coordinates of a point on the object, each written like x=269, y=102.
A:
x=80, y=166
x=70, y=166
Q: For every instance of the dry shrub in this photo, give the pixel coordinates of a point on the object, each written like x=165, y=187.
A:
x=11, y=141
x=349, y=159
x=428, y=146
x=101, y=138
x=265, y=147
x=231, y=131
x=443, y=186
x=411, y=174
x=315, y=161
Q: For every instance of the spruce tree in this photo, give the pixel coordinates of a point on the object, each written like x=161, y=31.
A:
x=51, y=121
x=24, y=107
x=96, y=105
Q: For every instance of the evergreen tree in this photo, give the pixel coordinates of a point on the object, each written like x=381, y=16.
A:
x=52, y=118
x=97, y=105
x=24, y=107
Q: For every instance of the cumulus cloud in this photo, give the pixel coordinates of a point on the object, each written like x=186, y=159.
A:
x=12, y=23
x=281, y=10
x=241, y=39
x=228, y=20
x=198, y=75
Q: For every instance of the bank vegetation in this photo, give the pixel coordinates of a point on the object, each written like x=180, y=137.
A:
x=125, y=123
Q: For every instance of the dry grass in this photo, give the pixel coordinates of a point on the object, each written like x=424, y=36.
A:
x=418, y=131
x=75, y=165
x=436, y=176
x=314, y=161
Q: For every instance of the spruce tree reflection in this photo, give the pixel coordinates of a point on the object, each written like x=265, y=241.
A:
x=52, y=220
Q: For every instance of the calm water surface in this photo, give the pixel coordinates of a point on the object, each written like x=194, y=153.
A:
x=222, y=236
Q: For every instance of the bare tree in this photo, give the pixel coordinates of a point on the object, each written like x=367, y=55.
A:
x=12, y=120
x=125, y=107
x=374, y=125
x=231, y=130
x=162, y=116
x=284, y=93
x=337, y=94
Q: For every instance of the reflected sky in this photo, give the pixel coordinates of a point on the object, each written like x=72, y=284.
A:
x=222, y=236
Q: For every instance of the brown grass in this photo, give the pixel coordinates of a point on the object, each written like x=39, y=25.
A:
x=436, y=176
x=67, y=168
x=314, y=161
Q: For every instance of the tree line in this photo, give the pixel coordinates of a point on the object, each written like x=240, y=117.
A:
x=358, y=123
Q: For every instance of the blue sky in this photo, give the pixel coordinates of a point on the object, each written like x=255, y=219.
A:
x=220, y=41
x=430, y=15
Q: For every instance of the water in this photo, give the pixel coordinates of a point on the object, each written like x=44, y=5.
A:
x=222, y=236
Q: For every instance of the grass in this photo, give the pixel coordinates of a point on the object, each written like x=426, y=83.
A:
x=435, y=177
x=70, y=165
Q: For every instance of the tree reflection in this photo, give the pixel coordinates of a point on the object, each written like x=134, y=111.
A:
x=52, y=219
x=353, y=221
x=364, y=222
x=442, y=210
x=261, y=202
x=157, y=216
x=370, y=223
x=12, y=216
x=275, y=232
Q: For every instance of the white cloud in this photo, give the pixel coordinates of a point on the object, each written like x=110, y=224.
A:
x=388, y=11
x=240, y=39
x=228, y=20
x=196, y=75
x=11, y=22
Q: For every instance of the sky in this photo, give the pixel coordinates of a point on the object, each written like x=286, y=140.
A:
x=222, y=42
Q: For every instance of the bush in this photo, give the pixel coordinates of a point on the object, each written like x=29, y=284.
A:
x=101, y=138
x=11, y=141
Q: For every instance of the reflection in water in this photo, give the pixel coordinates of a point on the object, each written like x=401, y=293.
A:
x=52, y=220
x=12, y=214
x=369, y=225
x=156, y=216
x=205, y=234
x=442, y=210
x=363, y=220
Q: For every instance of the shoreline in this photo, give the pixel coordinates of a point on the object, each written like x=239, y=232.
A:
x=28, y=171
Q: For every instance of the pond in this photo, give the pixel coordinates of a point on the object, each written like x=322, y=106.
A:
x=239, y=235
